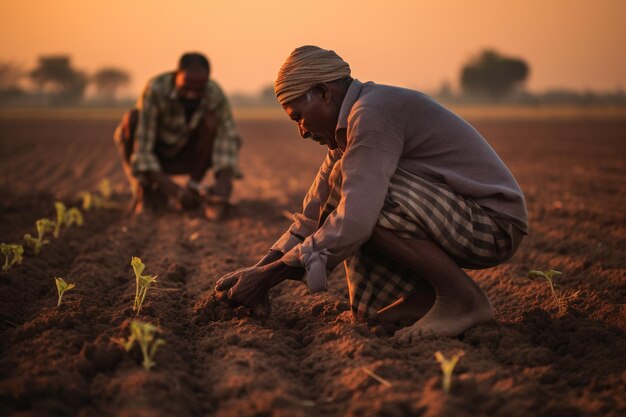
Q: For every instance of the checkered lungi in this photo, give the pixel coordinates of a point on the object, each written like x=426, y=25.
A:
x=420, y=209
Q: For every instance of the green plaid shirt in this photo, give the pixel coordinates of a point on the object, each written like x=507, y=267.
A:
x=162, y=125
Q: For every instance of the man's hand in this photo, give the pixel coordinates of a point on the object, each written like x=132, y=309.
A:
x=184, y=197
x=165, y=183
x=246, y=286
x=249, y=286
x=188, y=199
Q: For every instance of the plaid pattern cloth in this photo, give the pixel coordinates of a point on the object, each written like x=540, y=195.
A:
x=419, y=209
x=162, y=125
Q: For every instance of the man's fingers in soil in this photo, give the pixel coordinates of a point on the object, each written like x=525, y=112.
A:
x=221, y=296
x=226, y=282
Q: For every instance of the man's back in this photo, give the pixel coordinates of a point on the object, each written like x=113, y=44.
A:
x=439, y=146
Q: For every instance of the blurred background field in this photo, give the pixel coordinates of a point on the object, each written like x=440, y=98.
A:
x=470, y=112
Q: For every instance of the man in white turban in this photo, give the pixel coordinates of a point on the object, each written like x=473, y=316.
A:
x=409, y=193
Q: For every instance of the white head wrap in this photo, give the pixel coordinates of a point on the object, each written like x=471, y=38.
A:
x=306, y=66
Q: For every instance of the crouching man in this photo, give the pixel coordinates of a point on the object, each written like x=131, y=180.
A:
x=408, y=195
x=182, y=126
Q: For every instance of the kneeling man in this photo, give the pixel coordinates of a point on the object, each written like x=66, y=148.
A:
x=182, y=126
x=408, y=195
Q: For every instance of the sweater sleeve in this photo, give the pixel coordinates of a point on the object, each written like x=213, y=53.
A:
x=306, y=222
x=372, y=153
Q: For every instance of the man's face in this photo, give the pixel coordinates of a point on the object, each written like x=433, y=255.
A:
x=315, y=116
x=191, y=84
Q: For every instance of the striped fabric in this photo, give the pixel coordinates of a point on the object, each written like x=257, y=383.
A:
x=419, y=209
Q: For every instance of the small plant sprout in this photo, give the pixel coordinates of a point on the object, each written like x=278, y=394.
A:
x=105, y=189
x=73, y=216
x=62, y=287
x=60, y=208
x=142, y=282
x=91, y=201
x=447, y=367
x=43, y=226
x=549, y=277
x=12, y=255
x=142, y=333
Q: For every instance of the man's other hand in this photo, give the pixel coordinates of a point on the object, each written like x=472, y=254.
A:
x=246, y=286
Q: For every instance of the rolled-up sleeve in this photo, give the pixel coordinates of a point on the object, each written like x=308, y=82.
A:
x=306, y=222
x=372, y=153
x=143, y=158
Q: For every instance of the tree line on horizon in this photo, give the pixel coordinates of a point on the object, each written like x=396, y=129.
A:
x=57, y=80
x=488, y=77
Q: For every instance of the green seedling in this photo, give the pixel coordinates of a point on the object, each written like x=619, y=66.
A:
x=62, y=287
x=91, y=201
x=12, y=255
x=95, y=201
x=549, y=277
x=447, y=367
x=43, y=226
x=60, y=208
x=105, y=189
x=74, y=216
x=142, y=333
x=142, y=282
x=66, y=217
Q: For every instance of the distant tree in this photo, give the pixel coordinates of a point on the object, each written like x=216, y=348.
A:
x=109, y=80
x=493, y=75
x=55, y=74
x=267, y=93
x=10, y=75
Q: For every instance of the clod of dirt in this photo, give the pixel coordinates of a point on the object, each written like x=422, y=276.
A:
x=100, y=356
x=210, y=309
x=176, y=273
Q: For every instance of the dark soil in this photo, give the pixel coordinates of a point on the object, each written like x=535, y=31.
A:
x=305, y=357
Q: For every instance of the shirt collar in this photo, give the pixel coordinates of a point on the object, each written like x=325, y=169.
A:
x=348, y=101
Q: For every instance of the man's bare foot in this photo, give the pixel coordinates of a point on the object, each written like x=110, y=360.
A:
x=412, y=307
x=450, y=316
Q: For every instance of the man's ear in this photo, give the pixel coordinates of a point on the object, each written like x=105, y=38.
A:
x=323, y=91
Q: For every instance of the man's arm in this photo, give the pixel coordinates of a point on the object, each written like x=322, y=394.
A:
x=370, y=160
x=143, y=160
x=306, y=222
x=372, y=154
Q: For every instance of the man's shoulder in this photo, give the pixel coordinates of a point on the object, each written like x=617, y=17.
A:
x=215, y=95
x=391, y=102
x=380, y=95
x=160, y=84
x=214, y=89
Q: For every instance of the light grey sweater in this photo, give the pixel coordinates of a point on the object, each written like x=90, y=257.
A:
x=381, y=128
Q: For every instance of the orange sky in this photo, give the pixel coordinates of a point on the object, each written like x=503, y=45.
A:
x=568, y=43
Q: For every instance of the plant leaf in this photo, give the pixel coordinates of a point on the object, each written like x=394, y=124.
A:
x=533, y=274
x=552, y=273
x=137, y=265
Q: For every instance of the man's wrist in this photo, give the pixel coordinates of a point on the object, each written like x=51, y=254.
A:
x=280, y=271
x=270, y=257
